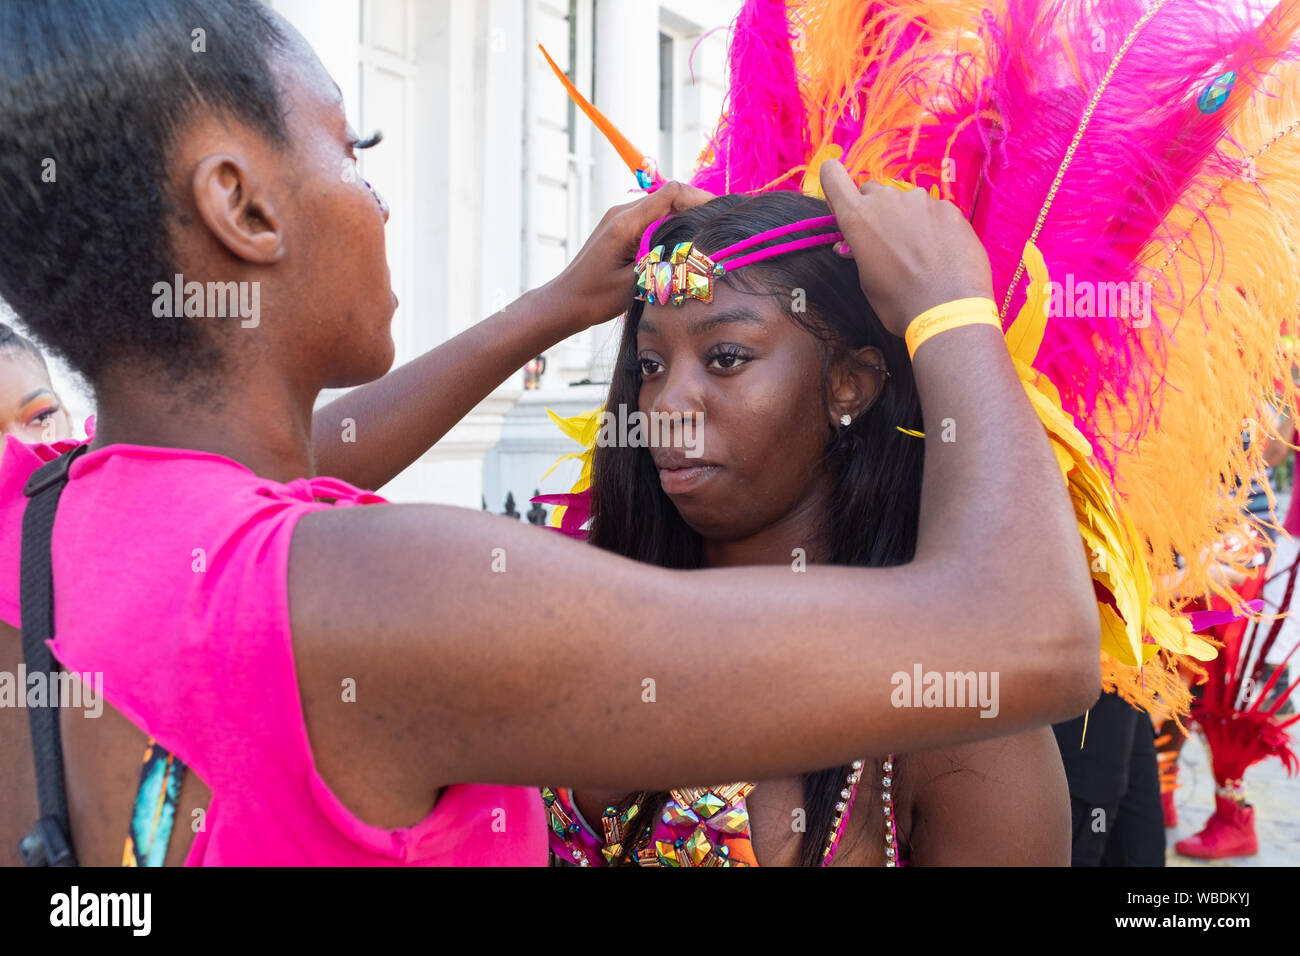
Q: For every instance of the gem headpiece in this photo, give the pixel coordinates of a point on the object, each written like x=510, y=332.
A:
x=687, y=271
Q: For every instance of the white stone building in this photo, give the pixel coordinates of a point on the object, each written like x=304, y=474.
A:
x=495, y=181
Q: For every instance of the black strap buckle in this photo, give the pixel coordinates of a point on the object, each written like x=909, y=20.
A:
x=52, y=472
x=46, y=845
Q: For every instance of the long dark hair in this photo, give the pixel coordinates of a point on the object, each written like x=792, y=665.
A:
x=875, y=469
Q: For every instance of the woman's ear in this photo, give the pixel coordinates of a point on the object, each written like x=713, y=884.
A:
x=233, y=207
x=855, y=383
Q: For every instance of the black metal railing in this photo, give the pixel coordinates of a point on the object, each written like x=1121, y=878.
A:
x=537, y=513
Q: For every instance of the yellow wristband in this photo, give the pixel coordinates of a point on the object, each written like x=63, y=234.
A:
x=951, y=315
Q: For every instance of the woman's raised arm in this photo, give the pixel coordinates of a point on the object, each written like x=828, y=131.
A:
x=502, y=653
x=402, y=415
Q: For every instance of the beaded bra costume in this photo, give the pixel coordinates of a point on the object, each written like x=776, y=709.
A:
x=699, y=826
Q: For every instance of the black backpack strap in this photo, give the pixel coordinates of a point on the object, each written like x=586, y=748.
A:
x=50, y=843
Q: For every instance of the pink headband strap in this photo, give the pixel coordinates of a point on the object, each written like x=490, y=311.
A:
x=782, y=248
x=805, y=224
x=645, y=236
x=817, y=223
x=672, y=276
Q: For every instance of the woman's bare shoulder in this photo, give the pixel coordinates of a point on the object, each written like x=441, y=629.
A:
x=1003, y=801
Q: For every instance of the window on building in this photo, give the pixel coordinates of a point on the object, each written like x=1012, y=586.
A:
x=573, y=72
x=667, y=89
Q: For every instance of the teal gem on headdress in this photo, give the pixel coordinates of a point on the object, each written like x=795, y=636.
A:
x=1216, y=94
x=645, y=175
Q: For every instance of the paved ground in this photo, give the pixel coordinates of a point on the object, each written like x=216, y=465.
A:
x=1277, y=809
x=1275, y=796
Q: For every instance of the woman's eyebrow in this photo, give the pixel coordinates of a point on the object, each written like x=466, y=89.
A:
x=738, y=314
x=700, y=326
x=36, y=394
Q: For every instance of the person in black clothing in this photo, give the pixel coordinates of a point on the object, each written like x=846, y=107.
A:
x=1114, y=777
x=1114, y=786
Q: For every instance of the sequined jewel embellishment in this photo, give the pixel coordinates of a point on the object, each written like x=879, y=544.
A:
x=733, y=820
x=676, y=816
x=707, y=805
x=671, y=278
x=703, y=820
x=698, y=846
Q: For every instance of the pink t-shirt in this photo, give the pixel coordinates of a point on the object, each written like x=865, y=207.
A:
x=171, y=579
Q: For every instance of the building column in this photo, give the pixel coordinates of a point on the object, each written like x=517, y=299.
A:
x=626, y=68
x=627, y=91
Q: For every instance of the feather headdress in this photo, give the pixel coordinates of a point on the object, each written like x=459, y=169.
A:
x=1129, y=167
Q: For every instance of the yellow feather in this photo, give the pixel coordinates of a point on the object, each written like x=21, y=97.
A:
x=812, y=178
x=1026, y=332
x=583, y=429
x=1137, y=630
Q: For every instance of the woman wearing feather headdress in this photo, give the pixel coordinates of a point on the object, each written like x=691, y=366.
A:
x=255, y=563
x=1098, y=148
x=1241, y=703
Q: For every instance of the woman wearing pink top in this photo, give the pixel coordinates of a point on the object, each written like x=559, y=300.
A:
x=30, y=409
x=333, y=668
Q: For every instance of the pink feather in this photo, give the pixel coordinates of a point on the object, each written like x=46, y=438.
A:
x=763, y=131
x=1146, y=144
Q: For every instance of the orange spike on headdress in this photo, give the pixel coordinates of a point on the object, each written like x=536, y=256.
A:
x=636, y=161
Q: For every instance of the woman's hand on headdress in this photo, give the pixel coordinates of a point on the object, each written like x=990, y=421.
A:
x=598, y=284
x=913, y=251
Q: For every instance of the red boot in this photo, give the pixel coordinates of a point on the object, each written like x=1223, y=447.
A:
x=1171, y=811
x=1230, y=831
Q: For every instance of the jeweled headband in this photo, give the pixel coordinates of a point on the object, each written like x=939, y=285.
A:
x=688, y=272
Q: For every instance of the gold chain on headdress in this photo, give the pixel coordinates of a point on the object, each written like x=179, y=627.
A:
x=1215, y=195
x=1074, y=144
